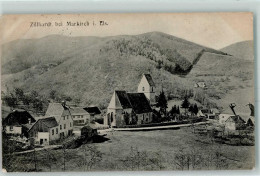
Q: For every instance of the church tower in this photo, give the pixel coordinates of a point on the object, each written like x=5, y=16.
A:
x=147, y=86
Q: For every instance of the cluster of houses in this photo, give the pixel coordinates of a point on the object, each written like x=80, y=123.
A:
x=230, y=120
x=125, y=108
x=57, y=123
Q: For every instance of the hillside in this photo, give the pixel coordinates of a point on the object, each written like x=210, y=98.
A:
x=89, y=69
x=243, y=50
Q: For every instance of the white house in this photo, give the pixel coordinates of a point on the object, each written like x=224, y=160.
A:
x=231, y=122
x=14, y=122
x=82, y=116
x=44, y=130
x=63, y=117
x=147, y=86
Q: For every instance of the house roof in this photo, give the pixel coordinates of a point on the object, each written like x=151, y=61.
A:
x=139, y=103
x=205, y=111
x=18, y=117
x=57, y=110
x=123, y=99
x=149, y=79
x=236, y=119
x=214, y=110
x=50, y=122
x=77, y=111
x=93, y=110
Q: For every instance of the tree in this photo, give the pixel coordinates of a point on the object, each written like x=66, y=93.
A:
x=195, y=109
x=178, y=110
x=10, y=100
x=185, y=104
x=53, y=94
x=90, y=158
x=38, y=105
x=191, y=109
x=19, y=93
x=173, y=110
x=162, y=102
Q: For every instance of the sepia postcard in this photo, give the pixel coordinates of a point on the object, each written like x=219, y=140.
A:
x=127, y=92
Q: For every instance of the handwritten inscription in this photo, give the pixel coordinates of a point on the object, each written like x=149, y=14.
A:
x=69, y=23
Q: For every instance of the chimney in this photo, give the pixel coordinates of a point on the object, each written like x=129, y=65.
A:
x=29, y=121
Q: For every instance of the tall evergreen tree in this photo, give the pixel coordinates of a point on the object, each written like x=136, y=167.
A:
x=162, y=102
x=185, y=104
x=195, y=109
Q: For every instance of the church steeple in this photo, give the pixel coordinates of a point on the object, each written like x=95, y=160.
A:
x=147, y=86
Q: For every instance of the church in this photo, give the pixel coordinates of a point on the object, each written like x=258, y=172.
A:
x=132, y=108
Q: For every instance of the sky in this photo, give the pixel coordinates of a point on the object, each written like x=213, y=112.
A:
x=215, y=30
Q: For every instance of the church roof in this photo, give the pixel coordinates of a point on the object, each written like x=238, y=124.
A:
x=139, y=103
x=123, y=99
x=149, y=79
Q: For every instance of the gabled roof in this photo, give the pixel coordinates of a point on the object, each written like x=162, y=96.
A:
x=50, y=122
x=93, y=110
x=139, y=103
x=205, y=111
x=77, y=111
x=149, y=79
x=214, y=110
x=123, y=99
x=18, y=117
x=57, y=110
x=236, y=119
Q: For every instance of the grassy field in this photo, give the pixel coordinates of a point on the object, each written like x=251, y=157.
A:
x=152, y=150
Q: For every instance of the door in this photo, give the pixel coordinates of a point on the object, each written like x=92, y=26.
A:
x=41, y=141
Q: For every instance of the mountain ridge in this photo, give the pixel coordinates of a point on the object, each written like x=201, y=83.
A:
x=90, y=68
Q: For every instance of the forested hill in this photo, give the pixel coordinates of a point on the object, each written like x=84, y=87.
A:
x=90, y=68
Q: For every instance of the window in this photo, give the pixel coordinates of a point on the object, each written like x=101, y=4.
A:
x=67, y=117
x=57, y=130
x=64, y=118
x=152, y=89
x=60, y=127
x=64, y=126
x=11, y=128
x=52, y=131
x=143, y=88
x=70, y=124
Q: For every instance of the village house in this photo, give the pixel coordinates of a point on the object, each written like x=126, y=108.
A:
x=83, y=116
x=44, y=131
x=231, y=122
x=207, y=113
x=234, y=123
x=63, y=117
x=15, y=121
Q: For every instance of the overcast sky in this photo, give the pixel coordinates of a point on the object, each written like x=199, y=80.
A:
x=215, y=30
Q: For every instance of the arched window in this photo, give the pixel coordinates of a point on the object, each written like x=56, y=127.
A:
x=112, y=117
x=143, y=88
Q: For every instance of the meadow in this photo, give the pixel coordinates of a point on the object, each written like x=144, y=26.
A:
x=151, y=150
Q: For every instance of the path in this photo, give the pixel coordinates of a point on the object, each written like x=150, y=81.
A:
x=39, y=149
x=157, y=127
